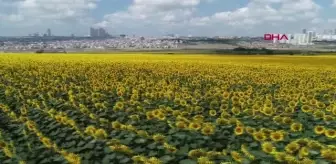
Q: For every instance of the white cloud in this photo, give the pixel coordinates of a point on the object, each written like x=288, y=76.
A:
x=172, y=14
x=43, y=11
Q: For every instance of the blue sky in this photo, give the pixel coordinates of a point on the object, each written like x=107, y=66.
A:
x=159, y=17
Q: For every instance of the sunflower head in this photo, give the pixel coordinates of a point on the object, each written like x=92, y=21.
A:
x=236, y=156
x=239, y=130
x=292, y=147
x=208, y=130
x=212, y=112
x=330, y=133
x=296, y=127
x=277, y=136
x=268, y=147
x=259, y=136
x=181, y=125
x=306, y=109
x=159, y=138
x=195, y=126
x=319, y=130
x=196, y=153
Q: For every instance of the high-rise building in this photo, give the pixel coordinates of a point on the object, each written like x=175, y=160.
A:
x=100, y=32
x=48, y=32
x=304, y=31
x=310, y=37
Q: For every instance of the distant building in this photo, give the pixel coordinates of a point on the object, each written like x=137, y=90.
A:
x=49, y=32
x=99, y=32
x=304, y=31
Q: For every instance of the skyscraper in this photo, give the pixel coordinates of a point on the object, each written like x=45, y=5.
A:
x=99, y=32
x=304, y=31
x=48, y=32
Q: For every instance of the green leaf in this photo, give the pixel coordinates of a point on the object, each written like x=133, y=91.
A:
x=140, y=140
x=106, y=160
x=166, y=158
x=313, y=152
x=153, y=153
x=125, y=160
x=253, y=144
x=183, y=150
x=152, y=145
x=187, y=161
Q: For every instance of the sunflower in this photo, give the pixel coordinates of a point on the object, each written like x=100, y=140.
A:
x=196, y=153
x=153, y=160
x=303, y=152
x=195, y=126
x=156, y=113
x=139, y=159
x=277, y=119
x=330, y=133
x=118, y=106
x=319, y=130
x=161, y=116
x=183, y=102
x=176, y=113
x=222, y=121
x=315, y=145
x=212, y=112
x=319, y=114
x=235, y=111
x=159, y=138
x=226, y=95
x=307, y=161
x=181, y=125
x=259, y=136
x=280, y=156
x=100, y=134
x=149, y=115
x=287, y=120
x=225, y=114
x=296, y=127
x=170, y=148
x=233, y=121
x=303, y=100
x=292, y=147
x=313, y=102
x=292, y=104
x=46, y=142
x=90, y=130
x=306, y=109
x=328, y=118
x=239, y=130
x=204, y=160
x=321, y=105
x=250, y=130
x=236, y=156
x=213, y=154
x=328, y=154
x=289, y=109
x=116, y=125
x=246, y=152
x=277, y=136
x=208, y=130
x=142, y=133
x=268, y=147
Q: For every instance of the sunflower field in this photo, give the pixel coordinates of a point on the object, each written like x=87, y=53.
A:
x=169, y=109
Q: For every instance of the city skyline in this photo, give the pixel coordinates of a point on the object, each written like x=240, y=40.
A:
x=154, y=17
